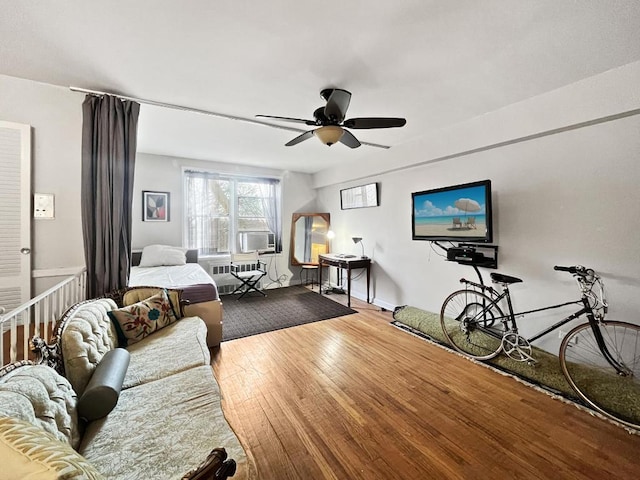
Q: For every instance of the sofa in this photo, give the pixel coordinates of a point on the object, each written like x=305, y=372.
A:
x=119, y=399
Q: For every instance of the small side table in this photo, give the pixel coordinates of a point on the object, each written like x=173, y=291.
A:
x=348, y=264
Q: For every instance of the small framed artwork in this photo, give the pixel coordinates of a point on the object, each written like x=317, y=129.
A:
x=155, y=206
x=359, y=197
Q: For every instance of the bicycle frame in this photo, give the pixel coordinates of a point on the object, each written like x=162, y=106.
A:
x=510, y=317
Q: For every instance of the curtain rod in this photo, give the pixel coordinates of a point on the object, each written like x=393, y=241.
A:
x=202, y=112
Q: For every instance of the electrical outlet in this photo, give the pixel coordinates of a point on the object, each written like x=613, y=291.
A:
x=43, y=205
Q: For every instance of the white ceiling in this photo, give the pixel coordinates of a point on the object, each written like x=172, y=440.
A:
x=435, y=63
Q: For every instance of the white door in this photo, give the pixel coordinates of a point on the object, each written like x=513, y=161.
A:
x=15, y=215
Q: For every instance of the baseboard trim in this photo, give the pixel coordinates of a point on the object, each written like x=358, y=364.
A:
x=375, y=301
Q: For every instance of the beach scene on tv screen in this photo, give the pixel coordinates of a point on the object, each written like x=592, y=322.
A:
x=458, y=212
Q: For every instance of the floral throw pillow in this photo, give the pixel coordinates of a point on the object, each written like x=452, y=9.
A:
x=141, y=319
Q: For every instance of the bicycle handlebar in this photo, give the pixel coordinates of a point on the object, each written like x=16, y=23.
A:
x=576, y=270
x=584, y=275
x=587, y=279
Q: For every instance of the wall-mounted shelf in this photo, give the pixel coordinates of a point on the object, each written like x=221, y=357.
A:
x=474, y=254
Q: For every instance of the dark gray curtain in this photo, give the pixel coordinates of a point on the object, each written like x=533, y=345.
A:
x=109, y=128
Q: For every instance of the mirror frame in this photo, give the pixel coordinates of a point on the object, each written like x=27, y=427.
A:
x=292, y=245
x=362, y=196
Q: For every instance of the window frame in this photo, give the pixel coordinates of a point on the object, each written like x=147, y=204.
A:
x=233, y=207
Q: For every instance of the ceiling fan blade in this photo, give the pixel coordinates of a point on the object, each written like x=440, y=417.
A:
x=289, y=119
x=349, y=140
x=375, y=122
x=299, y=138
x=337, y=105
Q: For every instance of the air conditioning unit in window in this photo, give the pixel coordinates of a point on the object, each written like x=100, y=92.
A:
x=260, y=241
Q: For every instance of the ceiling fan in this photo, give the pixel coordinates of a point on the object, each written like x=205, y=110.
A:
x=331, y=121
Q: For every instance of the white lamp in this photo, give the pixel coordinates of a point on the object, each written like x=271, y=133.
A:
x=330, y=236
x=357, y=240
x=329, y=134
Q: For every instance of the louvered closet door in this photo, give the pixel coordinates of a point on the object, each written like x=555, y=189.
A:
x=15, y=206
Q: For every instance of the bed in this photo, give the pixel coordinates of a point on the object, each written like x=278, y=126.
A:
x=175, y=267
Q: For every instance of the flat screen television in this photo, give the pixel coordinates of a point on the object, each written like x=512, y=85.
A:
x=460, y=213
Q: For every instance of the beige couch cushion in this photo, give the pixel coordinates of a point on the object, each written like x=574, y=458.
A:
x=175, y=348
x=88, y=334
x=162, y=429
x=28, y=452
x=39, y=395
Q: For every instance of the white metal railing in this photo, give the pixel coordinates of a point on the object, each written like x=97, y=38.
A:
x=38, y=316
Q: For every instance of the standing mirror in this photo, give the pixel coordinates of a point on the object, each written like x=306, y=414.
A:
x=309, y=237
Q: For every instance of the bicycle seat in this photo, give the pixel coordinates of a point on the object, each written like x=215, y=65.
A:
x=500, y=278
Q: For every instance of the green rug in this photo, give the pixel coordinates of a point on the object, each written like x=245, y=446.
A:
x=545, y=373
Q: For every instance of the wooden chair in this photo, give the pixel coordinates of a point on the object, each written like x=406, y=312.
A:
x=456, y=222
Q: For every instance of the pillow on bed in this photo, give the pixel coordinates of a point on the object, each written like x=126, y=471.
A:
x=162, y=255
x=141, y=319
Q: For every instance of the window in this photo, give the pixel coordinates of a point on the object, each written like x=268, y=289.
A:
x=221, y=210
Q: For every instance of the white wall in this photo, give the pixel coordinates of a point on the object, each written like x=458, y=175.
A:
x=162, y=173
x=55, y=115
x=567, y=197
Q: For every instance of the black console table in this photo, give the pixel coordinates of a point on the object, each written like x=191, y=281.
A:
x=348, y=264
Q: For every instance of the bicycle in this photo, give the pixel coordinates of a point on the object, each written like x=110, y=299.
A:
x=600, y=359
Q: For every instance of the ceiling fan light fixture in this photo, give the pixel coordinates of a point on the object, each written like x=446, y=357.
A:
x=329, y=134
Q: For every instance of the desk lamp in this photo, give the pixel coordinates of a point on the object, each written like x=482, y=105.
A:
x=330, y=236
x=357, y=240
x=338, y=289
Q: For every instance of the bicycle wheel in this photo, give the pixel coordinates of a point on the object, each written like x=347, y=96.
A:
x=595, y=380
x=471, y=327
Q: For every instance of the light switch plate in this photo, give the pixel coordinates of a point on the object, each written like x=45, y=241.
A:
x=43, y=205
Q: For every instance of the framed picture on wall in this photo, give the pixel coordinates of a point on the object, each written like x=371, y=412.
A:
x=155, y=206
x=362, y=196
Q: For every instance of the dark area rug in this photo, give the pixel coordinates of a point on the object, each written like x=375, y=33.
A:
x=281, y=308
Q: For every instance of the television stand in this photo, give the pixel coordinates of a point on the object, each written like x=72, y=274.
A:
x=473, y=254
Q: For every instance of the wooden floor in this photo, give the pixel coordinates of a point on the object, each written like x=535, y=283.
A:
x=355, y=398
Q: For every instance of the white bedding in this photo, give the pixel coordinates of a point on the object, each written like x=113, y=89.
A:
x=176, y=276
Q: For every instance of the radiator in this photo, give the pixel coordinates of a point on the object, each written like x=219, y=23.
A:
x=220, y=272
